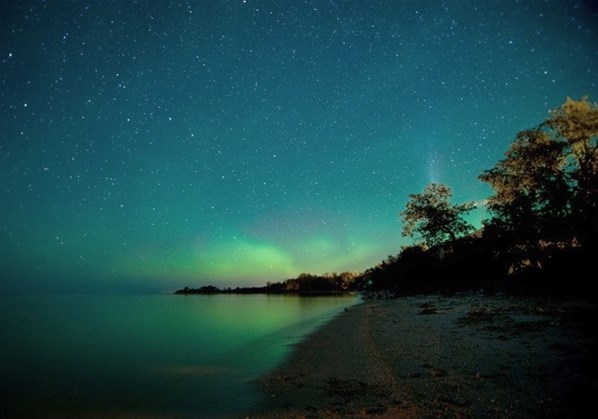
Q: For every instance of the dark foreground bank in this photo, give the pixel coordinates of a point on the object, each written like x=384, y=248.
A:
x=427, y=356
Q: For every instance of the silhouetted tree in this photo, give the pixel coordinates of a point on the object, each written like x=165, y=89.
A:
x=547, y=184
x=575, y=124
x=431, y=217
x=530, y=185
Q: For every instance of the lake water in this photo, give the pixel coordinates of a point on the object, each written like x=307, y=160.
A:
x=146, y=356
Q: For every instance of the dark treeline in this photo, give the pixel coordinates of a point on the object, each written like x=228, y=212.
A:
x=304, y=284
x=541, y=232
x=542, y=226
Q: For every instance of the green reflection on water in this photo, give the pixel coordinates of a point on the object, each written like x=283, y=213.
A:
x=146, y=354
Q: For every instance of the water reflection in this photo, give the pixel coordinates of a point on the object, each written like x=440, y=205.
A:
x=156, y=354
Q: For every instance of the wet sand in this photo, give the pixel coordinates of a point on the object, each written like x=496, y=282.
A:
x=436, y=356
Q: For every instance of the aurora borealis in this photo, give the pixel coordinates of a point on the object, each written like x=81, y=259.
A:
x=148, y=145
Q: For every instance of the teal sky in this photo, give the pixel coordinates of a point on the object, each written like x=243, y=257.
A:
x=149, y=145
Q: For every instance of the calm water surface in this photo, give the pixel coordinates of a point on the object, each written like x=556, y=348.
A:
x=146, y=355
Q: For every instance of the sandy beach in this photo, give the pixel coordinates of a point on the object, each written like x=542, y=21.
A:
x=438, y=356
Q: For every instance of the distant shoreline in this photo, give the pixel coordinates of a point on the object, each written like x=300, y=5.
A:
x=210, y=290
x=468, y=355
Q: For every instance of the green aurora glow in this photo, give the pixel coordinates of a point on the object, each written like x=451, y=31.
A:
x=153, y=145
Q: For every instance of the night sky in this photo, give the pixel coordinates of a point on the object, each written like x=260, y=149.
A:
x=149, y=145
